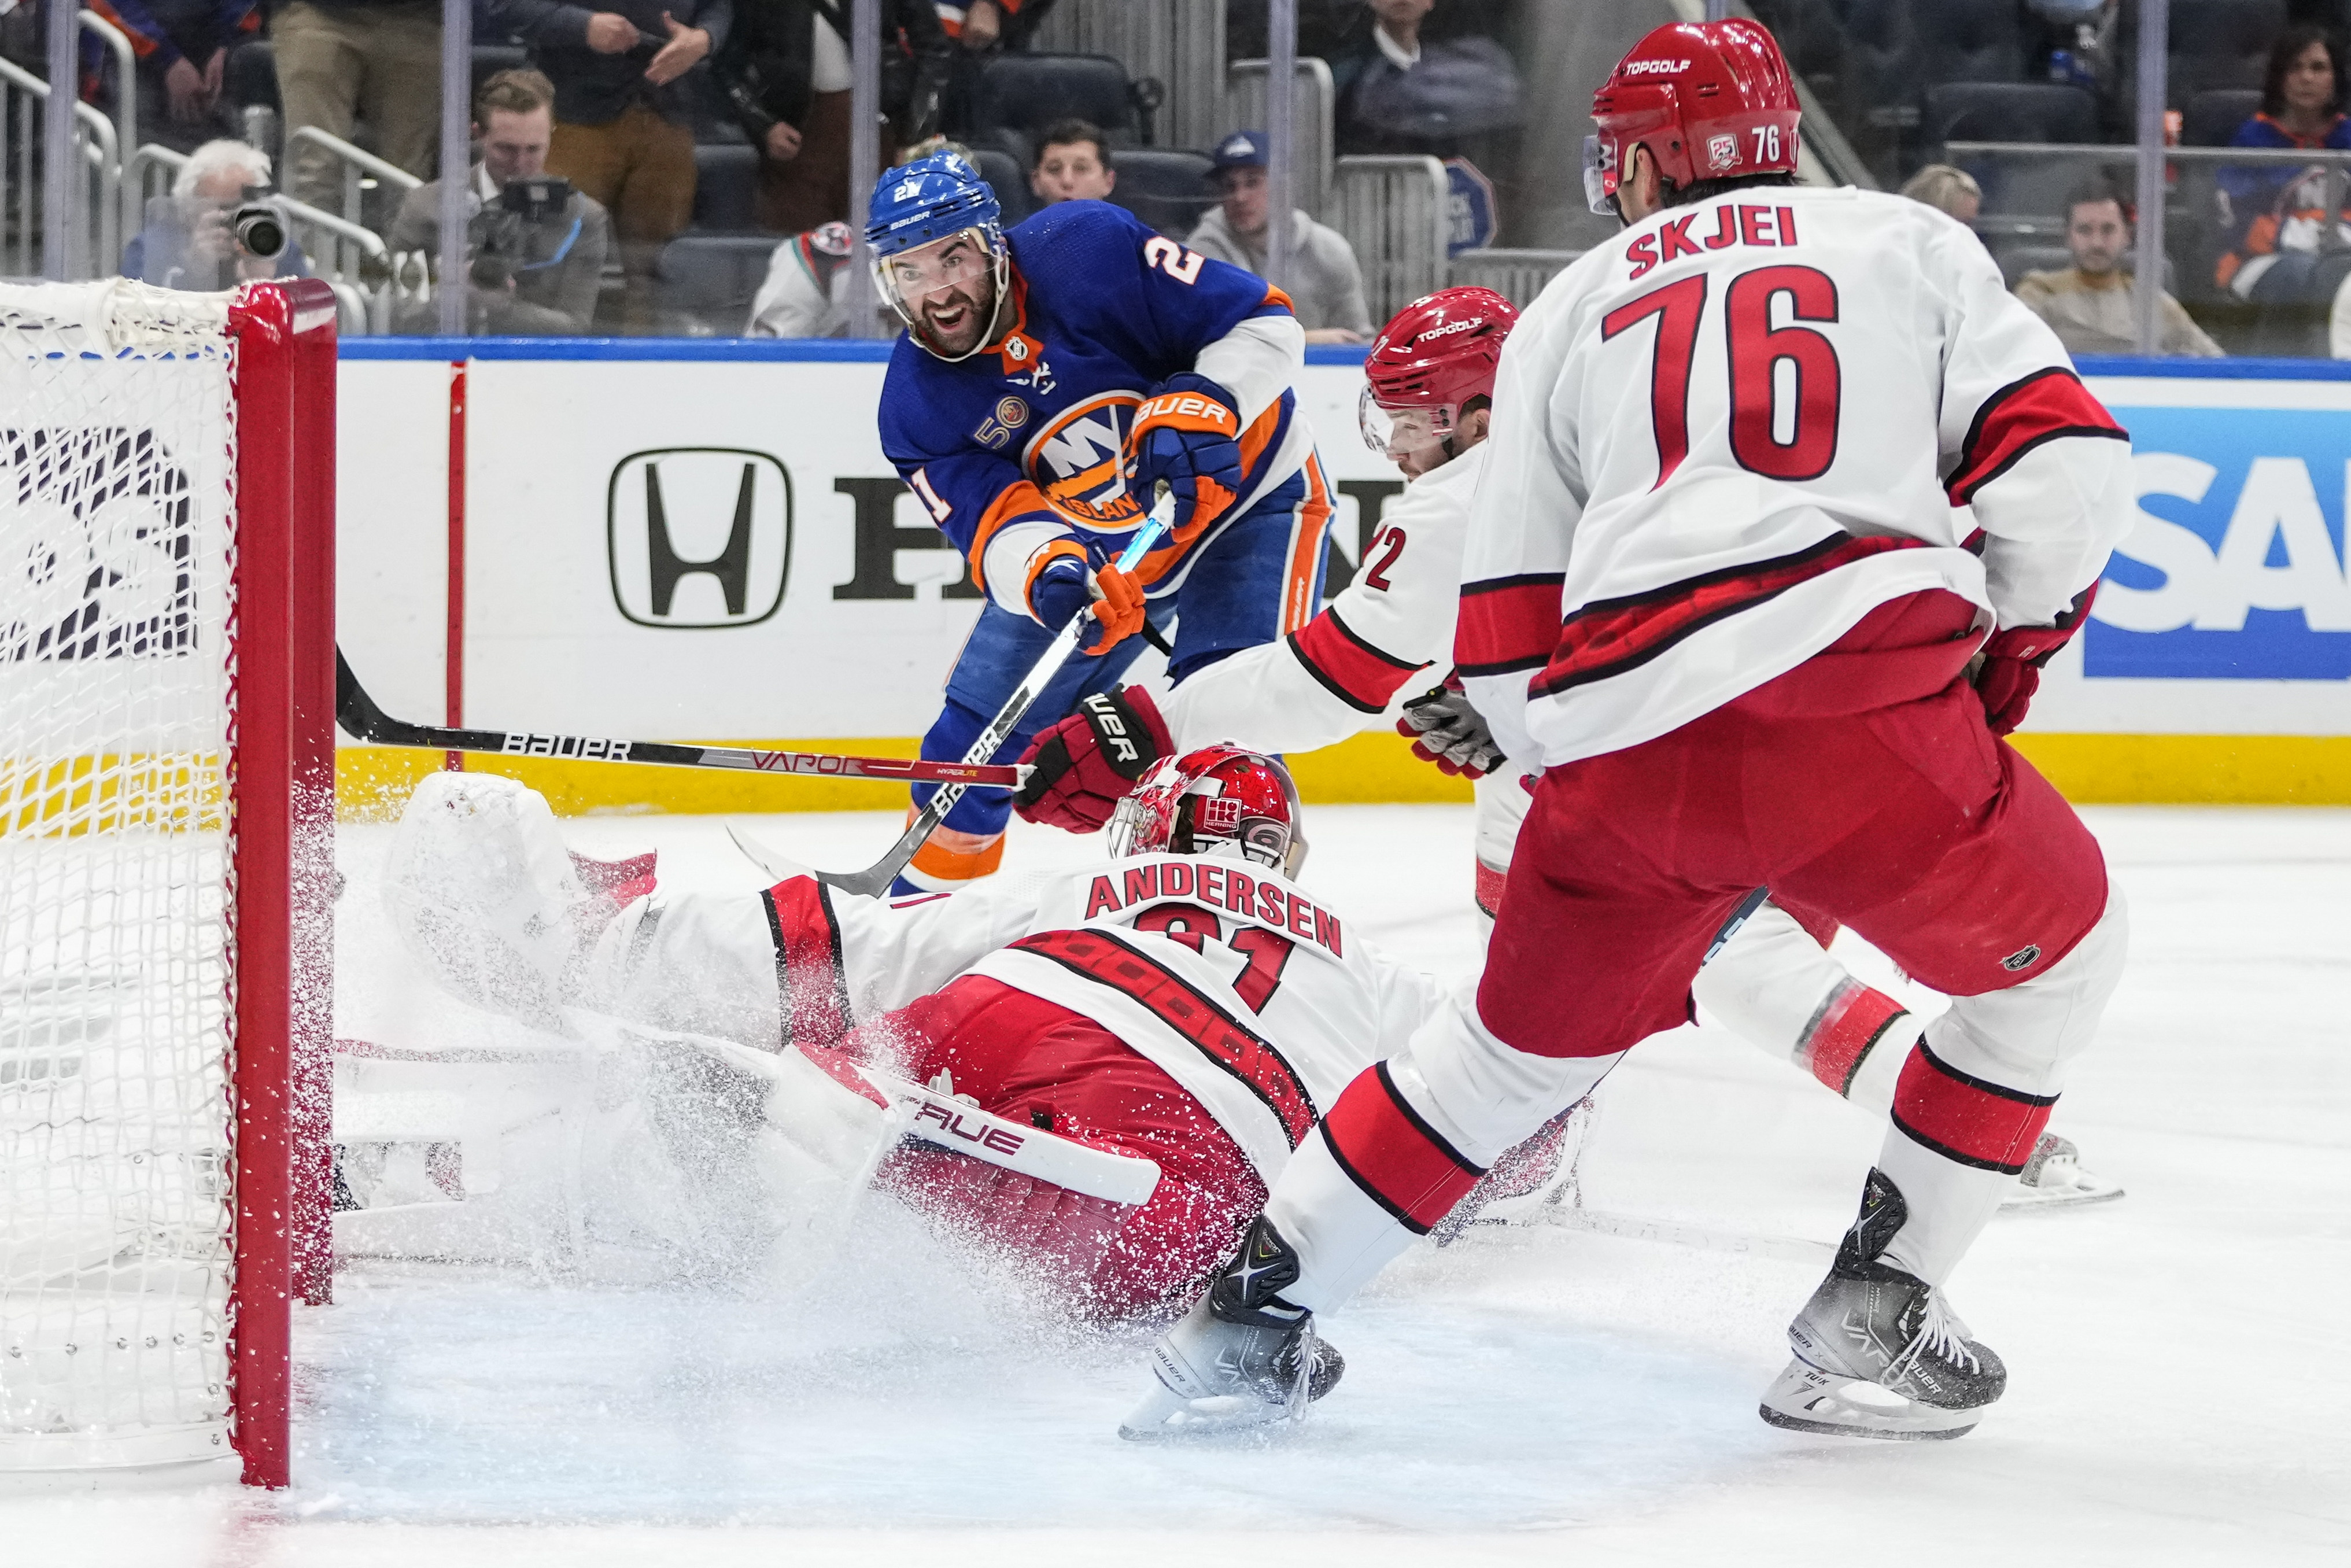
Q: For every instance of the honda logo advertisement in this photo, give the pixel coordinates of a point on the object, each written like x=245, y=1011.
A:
x=700, y=537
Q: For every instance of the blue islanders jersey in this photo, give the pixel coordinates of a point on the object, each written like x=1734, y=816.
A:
x=1026, y=435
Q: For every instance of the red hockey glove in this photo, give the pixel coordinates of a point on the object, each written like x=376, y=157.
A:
x=1446, y=730
x=1188, y=433
x=1059, y=586
x=2013, y=659
x=1088, y=762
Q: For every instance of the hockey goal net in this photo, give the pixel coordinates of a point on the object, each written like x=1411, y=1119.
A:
x=166, y=801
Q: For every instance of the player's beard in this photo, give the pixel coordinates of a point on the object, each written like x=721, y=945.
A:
x=969, y=310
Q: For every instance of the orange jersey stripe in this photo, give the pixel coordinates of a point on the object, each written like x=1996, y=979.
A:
x=1306, y=546
x=1015, y=501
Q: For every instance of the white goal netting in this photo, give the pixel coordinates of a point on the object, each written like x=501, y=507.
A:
x=117, y=697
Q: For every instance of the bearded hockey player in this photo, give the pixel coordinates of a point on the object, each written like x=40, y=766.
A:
x=1184, y=1004
x=1764, y=627
x=1050, y=381
x=1425, y=405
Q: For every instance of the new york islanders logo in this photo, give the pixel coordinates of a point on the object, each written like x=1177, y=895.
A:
x=1074, y=459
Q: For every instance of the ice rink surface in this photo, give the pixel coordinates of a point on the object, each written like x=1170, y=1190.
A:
x=2178, y=1391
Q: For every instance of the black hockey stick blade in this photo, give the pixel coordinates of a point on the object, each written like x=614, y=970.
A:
x=358, y=714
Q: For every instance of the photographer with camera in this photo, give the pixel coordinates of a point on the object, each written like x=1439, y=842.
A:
x=535, y=248
x=219, y=227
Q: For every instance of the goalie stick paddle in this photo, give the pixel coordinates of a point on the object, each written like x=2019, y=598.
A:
x=357, y=712
x=874, y=881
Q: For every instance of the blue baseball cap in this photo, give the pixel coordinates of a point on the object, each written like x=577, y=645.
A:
x=1241, y=149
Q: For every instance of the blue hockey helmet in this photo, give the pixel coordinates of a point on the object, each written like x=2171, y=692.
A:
x=929, y=199
x=926, y=203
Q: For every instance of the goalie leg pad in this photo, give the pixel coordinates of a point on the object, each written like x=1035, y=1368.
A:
x=1034, y=1062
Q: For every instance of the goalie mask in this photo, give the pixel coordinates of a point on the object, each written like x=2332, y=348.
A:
x=1217, y=801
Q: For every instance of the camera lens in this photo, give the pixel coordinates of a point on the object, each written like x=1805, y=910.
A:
x=259, y=230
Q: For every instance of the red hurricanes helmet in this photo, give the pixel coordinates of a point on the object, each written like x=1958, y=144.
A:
x=1433, y=356
x=1711, y=100
x=1218, y=799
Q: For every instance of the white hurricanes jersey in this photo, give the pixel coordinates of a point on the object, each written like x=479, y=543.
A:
x=1725, y=436
x=1256, y=997
x=1338, y=673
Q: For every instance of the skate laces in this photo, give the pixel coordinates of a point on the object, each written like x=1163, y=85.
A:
x=1940, y=1335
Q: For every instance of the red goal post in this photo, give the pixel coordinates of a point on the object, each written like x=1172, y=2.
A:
x=166, y=860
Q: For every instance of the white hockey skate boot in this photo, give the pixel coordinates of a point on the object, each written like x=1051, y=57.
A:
x=1242, y=1358
x=2054, y=1178
x=1878, y=1354
x=483, y=894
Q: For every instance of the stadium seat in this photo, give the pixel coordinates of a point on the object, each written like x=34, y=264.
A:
x=2016, y=260
x=490, y=58
x=1006, y=176
x=1020, y=94
x=2213, y=115
x=2221, y=44
x=712, y=280
x=2014, y=111
x=2009, y=111
x=726, y=188
x=1166, y=187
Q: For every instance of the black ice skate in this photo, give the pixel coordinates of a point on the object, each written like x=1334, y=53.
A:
x=1242, y=1358
x=1878, y=1354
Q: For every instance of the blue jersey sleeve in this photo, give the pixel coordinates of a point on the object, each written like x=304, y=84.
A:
x=971, y=493
x=1129, y=287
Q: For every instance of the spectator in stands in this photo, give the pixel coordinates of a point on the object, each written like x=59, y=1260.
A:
x=182, y=49
x=1445, y=94
x=187, y=242
x=786, y=75
x=2276, y=213
x=625, y=95
x=343, y=60
x=1073, y=164
x=1325, y=285
x=1952, y=191
x=984, y=25
x=2092, y=305
x=806, y=291
x=535, y=248
x=805, y=294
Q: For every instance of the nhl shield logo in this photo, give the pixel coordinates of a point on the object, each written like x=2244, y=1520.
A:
x=1722, y=151
x=2024, y=957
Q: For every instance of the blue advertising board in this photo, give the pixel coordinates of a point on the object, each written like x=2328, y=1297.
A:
x=2236, y=570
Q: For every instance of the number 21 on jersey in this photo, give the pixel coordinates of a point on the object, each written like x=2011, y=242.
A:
x=1785, y=383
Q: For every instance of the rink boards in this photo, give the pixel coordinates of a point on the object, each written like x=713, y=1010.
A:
x=702, y=540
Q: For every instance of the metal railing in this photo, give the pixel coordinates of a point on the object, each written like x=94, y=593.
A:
x=1396, y=213
x=2337, y=164
x=100, y=234
x=1315, y=108
x=1518, y=276
x=126, y=93
x=358, y=164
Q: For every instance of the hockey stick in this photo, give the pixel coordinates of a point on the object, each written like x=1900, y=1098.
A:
x=357, y=712
x=876, y=880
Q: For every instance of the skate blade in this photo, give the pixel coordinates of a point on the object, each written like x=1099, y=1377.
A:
x=2083, y=1189
x=1805, y=1399
x=1167, y=1416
